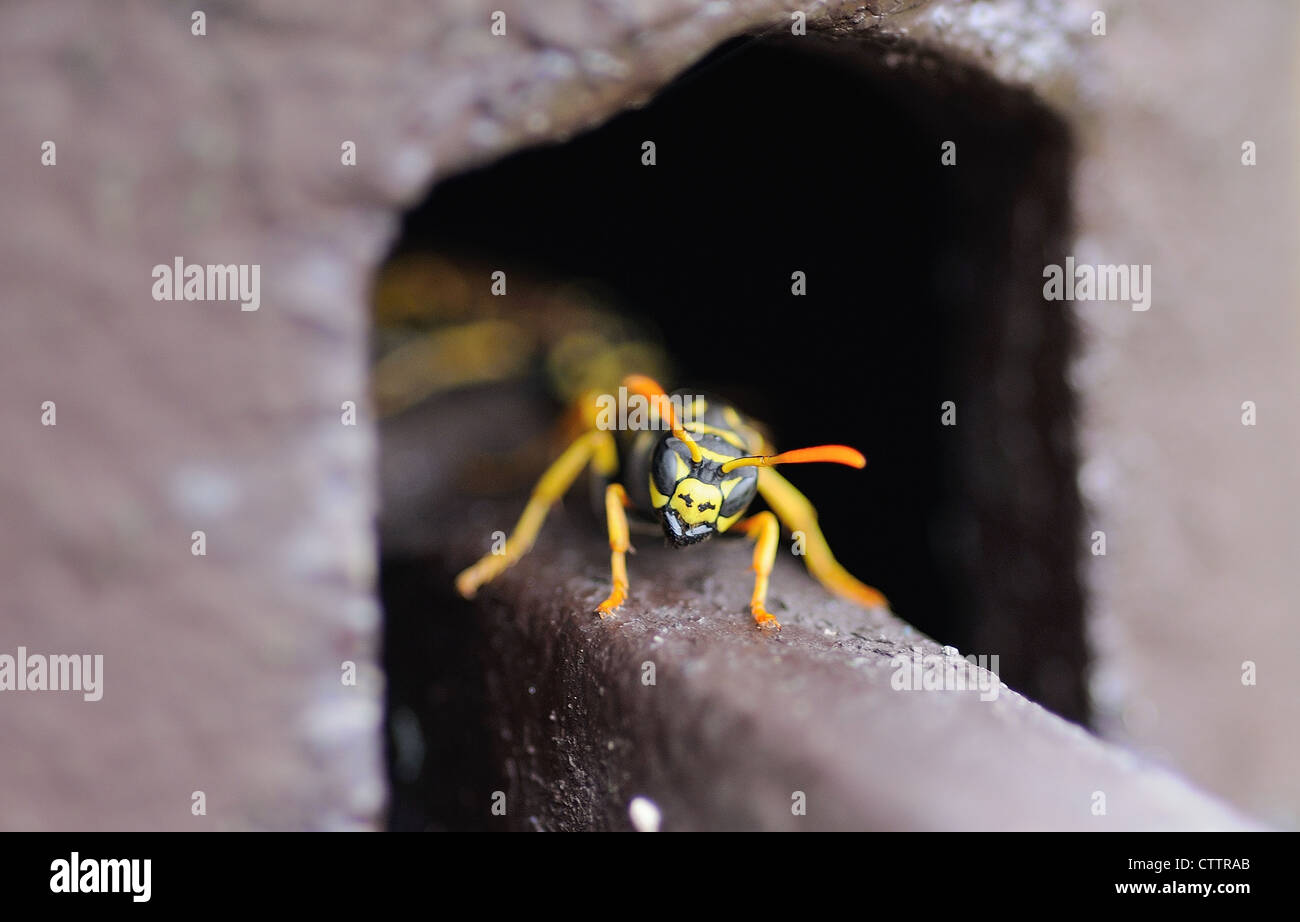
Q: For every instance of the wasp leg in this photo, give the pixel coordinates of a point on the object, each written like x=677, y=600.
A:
x=765, y=531
x=798, y=515
x=615, y=500
x=596, y=447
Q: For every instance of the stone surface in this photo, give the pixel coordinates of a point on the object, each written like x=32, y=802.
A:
x=740, y=729
x=222, y=672
x=1199, y=510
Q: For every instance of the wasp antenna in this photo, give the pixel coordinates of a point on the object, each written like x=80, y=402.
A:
x=835, y=454
x=681, y=434
x=649, y=387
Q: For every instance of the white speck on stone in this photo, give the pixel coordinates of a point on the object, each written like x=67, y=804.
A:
x=644, y=814
x=1108, y=689
x=604, y=64
x=313, y=287
x=951, y=651
x=367, y=797
x=557, y=65
x=336, y=822
x=1095, y=478
x=320, y=276
x=485, y=132
x=311, y=555
x=203, y=492
x=985, y=17
x=343, y=718
x=716, y=8
x=361, y=614
x=411, y=166
x=1037, y=55
x=536, y=122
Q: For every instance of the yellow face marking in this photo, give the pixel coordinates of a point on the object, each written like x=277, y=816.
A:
x=727, y=521
x=683, y=469
x=729, y=485
x=657, y=499
x=697, y=503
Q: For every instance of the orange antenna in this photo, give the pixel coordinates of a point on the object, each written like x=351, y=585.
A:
x=649, y=387
x=835, y=454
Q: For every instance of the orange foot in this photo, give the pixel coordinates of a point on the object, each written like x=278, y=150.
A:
x=607, y=608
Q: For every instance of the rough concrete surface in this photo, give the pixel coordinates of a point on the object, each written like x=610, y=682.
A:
x=738, y=724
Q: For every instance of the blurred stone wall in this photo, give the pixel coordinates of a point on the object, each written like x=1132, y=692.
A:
x=1199, y=510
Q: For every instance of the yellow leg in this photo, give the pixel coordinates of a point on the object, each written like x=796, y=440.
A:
x=765, y=531
x=798, y=514
x=596, y=447
x=615, y=500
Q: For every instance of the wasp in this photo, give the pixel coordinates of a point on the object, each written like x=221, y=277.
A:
x=696, y=477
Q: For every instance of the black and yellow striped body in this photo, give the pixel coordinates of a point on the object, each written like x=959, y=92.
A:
x=692, y=501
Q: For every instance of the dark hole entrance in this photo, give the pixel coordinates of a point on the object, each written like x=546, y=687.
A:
x=923, y=286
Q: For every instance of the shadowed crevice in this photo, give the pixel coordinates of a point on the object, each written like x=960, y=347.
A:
x=924, y=285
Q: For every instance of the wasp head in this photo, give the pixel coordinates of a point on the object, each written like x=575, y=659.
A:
x=695, y=499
